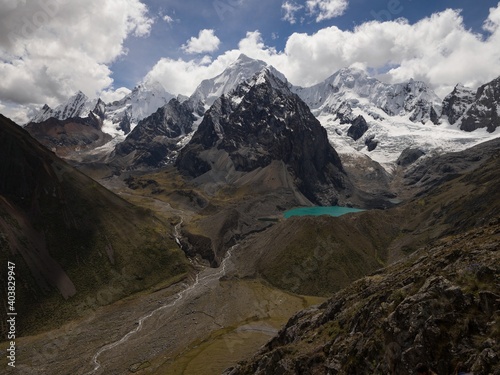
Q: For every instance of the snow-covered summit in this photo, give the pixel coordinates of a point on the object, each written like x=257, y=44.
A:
x=121, y=115
x=143, y=101
x=393, y=116
x=351, y=88
x=79, y=105
x=243, y=69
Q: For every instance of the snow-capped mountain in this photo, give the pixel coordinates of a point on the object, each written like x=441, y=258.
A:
x=155, y=141
x=144, y=100
x=260, y=122
x=243, y=69
x=363, y=116
x=122, y=115
x=79, y=105
x=457, y=102
x=351, y=88
x=174, y=115
x=366, y=117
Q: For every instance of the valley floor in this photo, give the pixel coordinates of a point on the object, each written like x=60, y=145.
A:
x=201, y=325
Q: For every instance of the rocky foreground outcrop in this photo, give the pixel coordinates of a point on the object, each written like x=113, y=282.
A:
x=440, y=306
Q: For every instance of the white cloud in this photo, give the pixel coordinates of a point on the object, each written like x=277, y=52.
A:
x=167, y=19
x=54, y=60
x=290, y=8
x=493, y=21
x=49, y=49
x=206, y=41
x=326, y=9
x=438, y=50
x=182, y=77
x=111, y=95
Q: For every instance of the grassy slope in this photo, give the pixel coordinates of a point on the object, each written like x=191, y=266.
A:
x=322, y=255
x=438, y=306
x=318, y=256
x=61, y=229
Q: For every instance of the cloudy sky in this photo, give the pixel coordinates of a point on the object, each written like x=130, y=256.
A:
x=49, y=49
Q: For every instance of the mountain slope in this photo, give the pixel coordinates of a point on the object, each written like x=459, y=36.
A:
x=439, y=307
x=262, y=121
x=75, y=244
x=154, y=142
x=321, y=255
x=70, y=136
x=484, y=111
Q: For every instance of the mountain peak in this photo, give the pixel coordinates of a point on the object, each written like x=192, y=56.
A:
x=244, y=58
x=483, y=111
x=78, y=105
x=258, y=122
x=242, y=69
x=152, y=85
x=352, y=87
x=351, y=70
x=270, y=76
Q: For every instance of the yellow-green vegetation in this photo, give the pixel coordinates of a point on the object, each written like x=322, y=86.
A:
x=250, y=330
x=445, y=295
x=318, y=256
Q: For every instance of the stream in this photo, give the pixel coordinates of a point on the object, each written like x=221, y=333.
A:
x=202, y=279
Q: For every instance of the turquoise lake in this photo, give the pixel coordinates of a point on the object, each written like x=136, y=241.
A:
x=318, y=211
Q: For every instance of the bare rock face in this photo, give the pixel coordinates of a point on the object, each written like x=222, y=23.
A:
x=484, y=111
x=409, y=156
x=439, y=307
x=457, y=102
x=358, y=128
x=371, y=143
x=156, y=140
x=259, y=122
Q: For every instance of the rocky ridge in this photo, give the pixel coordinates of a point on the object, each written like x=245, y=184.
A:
x=261, y=121
x=155, y=141
x=351, y=88
x=484, y=111
x=397, y=115
x=79, y=105
x=73, y=134
x=440, y=306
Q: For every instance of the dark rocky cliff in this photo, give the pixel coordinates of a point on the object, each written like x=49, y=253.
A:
x=262, y=121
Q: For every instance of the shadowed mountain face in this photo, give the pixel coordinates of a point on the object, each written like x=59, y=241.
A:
x=474, y=110
x=261, y=121
x=76, y=245
x=156, y=140
x=71, y=135
x=483, y=113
